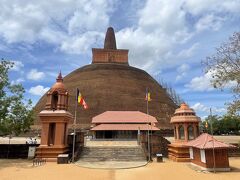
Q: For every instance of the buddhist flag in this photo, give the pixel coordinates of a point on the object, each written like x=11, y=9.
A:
x=80, y=100
x=148, y=96
x=206, y=124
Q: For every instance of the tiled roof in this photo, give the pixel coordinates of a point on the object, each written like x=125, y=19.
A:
x=184, y=108
x=123, y=117
x=123, y=127
x=184, y=114
x=176, y=119
x=206, y=141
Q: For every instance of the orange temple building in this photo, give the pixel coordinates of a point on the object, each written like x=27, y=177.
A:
x=122, y=124
x=186, y=127
x=54, y=119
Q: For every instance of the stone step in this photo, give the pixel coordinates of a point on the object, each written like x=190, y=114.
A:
x=100, y=154
x=106, y=143
x=105, y=160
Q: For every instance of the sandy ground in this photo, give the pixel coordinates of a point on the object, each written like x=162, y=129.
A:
x=23, y=170
x=229, y=139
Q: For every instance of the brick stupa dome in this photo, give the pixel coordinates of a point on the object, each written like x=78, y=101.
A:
x=111, y=84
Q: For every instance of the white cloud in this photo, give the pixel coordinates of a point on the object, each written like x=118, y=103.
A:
x=4, y=48
x=63, y=25
x=231, y=84
x=34, y=74
x=204, y=83
x=17, y=81
x=201, y=83
x=155, y=35
x=189, y=52
x=163, y=26
x=197, y=7
x=182, y=71
x=17, y=66
x=38, y=90
x=183, y=68
x=198, y=107
x=81, y=44
x=74, y=26
x=209, y=21
x=203, y=118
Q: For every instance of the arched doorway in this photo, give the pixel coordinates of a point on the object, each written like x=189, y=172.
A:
x=54, y=101
x=190, y=132
x=181, y=132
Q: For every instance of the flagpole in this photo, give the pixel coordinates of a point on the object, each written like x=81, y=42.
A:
x=149, y=153
x=214, y=165
x=74, y=129
x=151, y=140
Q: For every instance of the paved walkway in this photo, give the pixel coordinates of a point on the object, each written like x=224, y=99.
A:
x=111, y=164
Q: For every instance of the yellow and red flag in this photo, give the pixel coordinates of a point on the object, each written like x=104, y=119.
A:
x=206, y=124
x=80, y=100
x=148, y=96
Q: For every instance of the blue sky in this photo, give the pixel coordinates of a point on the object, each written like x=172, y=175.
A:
x=165, y=37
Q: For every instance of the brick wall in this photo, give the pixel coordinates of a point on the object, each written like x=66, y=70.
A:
x=158, y=145
x=109, y=56
x=221, y=158
x=14, y=151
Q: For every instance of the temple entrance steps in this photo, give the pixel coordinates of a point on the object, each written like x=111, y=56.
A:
x=106, y=143
x=112, y=153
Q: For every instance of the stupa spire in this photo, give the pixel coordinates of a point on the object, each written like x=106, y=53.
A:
x=110, y=53
x=110, y=40
x=59, y=78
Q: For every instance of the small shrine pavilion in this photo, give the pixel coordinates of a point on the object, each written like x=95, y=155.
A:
x=186, y=127
x=208, y=153
x=122, y=124
x=54, y=120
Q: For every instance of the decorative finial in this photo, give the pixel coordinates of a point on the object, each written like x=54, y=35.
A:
x=59, y=78
x=110, y=41
x=184, y=106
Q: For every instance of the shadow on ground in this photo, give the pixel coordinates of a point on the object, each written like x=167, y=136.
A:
x=17, y=163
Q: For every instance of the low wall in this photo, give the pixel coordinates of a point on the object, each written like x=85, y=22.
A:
x=79, y=144
x=13, y=151
x=158, y=144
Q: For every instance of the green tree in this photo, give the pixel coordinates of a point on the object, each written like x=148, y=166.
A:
x=16, y=115
x=231, y=124
x=227, y=124
x=224, y=66
x=215, y=124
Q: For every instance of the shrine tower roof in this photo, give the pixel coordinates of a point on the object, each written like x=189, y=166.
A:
x=184, y=114
x=58, y=86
